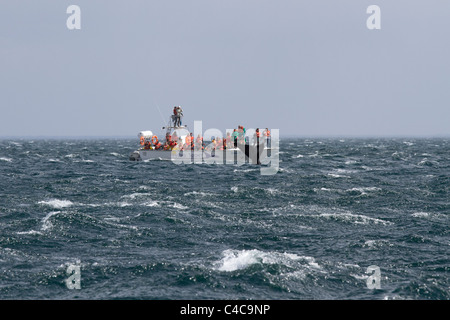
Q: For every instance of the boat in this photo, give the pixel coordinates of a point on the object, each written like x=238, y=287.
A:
x=239, y=152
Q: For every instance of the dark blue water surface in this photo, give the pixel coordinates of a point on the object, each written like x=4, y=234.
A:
x=157, y=230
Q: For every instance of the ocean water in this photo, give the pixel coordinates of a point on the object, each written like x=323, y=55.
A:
x=157, y=230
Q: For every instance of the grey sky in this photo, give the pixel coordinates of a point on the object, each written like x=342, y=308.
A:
x=309, y=68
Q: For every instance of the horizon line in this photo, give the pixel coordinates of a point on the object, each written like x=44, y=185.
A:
x=287, y=136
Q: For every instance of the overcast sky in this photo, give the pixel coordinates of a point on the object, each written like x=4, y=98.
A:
x=306, y=67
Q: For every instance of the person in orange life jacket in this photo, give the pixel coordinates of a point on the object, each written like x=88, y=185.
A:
x=257, y=136
x=168, y=142
x=158, y=145
x=229, y=142
x=267, y=135
x=172, y=143
x=191, y=138
x=147, y=145
x=199, y=143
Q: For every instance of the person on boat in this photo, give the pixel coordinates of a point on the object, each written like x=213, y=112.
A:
x=241, y=135
x=175, y=116
x=256, y=136
x=187, y=142
x=219, y=144
x=172, y=144
x=191, y=138
x=199, y=143
x=179, y=114
x=158, y=145
x=147, y=145
x=267, y=135
x=234, y=137
x=224, y=144
x=213, y=143
x=167, y=142
x=228, y=141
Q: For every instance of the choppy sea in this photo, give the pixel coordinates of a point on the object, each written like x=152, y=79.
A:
x=158, y=230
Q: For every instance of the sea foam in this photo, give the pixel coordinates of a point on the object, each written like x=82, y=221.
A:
x=233, y=260
x=57, y=204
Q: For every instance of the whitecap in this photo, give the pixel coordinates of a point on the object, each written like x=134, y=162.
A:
x=272, y=191
x=124, y=204
x=322, y=189
x=363, y=190
x=353, y=218
x=151, y=204
x=135, y=195
x=245, y=170
x=426, y=162
x=5, y=159
x=233, y=260
x=421, y=214
x=234, y=189
x=32, y=232
x=377, y=243
x=179, y=206
x=84, y=161
x=57, y=204
x=334, y=175
x=46, y=223
x=16, y=144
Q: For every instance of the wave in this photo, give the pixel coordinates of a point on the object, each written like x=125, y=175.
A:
x=272, y=191
x=334, y=175
x=233, y=260
x=363, y=190
x=179, y=206
x=137, y=194
x=57, y=204
x=336, y=214
x=31, y=232
x=46, y=223
x=198, y=193
x=151, y=204
x=421, y=214
x=428, y=163
x=373, y=244
x=353, y=218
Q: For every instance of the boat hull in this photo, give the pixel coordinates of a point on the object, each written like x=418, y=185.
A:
x=229, y=156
